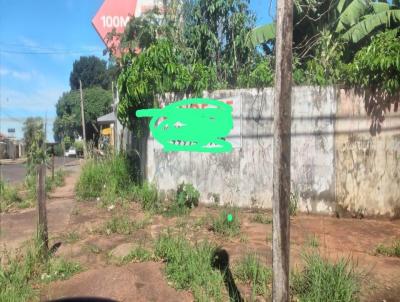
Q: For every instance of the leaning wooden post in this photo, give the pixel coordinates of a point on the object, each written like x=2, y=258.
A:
x=42, y=216
x=52, y=163
x=281, y=166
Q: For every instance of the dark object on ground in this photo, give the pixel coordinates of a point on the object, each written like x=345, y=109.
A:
x=221, y=262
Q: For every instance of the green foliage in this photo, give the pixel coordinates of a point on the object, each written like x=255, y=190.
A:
x=68, y=121
x=32, y=126
x=20, y=274
x=261, y=218
x=108, y=179
x=138, y=254
x=222, y=226
x=392, y=251
x=8, y=196
x=123, y=225
x=92, y=71
x=261, y=76
x=189, y=267
x=79, y=147
x=378, y=64
x=293, y=203
x=322, y=280
x=147, y=196
x=250, y=270
x=187, y=197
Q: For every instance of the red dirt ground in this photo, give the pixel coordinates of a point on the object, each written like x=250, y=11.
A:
x=344, y=237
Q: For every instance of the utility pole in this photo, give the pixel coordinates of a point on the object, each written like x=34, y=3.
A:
x=83, y=121
x=281, y=166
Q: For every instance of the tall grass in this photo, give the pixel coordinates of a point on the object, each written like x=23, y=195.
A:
x=189, y=267
x=22, y=273
x=224, y=226
x=8, y=196
x=322, y=280
x=107, y=179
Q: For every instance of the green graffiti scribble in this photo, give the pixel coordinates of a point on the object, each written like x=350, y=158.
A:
x=184, y=128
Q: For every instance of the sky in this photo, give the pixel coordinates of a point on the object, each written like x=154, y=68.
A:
x=61, y=31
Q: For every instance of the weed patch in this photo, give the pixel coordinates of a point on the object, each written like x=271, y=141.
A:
x=138, y=254
x=260, y=218
x=250, y=270
x=224, y=226
x=8, y=196
x=322, y=280
x=392, y=251
x=189, y=267
x=123, y=225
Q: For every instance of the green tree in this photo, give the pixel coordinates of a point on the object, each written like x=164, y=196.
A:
x=97, y=102
x=33, y=126
x=92, y=71
x=216, y=31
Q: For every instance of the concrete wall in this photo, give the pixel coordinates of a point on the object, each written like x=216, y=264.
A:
x=337, y=159
x=368, y=153
x=244, y=176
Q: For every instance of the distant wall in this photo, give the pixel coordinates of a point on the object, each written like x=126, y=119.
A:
x=336, y=159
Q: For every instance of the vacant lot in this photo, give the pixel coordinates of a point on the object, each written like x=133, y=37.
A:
x=123, y=258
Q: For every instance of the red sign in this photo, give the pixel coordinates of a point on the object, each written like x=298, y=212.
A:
x=113, y=14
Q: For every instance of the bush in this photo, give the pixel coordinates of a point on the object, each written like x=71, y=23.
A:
x=187, y=197
x=250, y=270
x=223, y=226
x=321, y=280
x=147, y=196
x=189, y=267
x=107, y=179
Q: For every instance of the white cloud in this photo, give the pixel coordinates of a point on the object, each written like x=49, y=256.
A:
x=19, y=75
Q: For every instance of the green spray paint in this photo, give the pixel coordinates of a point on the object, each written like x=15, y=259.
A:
x=200, y=129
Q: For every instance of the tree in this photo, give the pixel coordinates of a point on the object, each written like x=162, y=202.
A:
x=216, y=31
x=68, y=122
x=33, y=128
x=91, y=71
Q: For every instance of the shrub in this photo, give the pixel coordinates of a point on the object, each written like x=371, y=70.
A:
x=189, y=267
x=187, y=197
x=223, y=226
x=250, y=270
x=147, y=196
x=393, y=250
x=322, y=280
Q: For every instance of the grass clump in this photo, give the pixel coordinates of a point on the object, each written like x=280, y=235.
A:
x=391, y=251
x=147, y=196
x=223, y=226
x=250, y=270
x=22, y=273
x=138, y=254
x=123, y=225
x=260, y=218
x=312, y=241
x=70, y=237
x=108, y=179
x=189, y=267
x=322, y=280
x=8, y=196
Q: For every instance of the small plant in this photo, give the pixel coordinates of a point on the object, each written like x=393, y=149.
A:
x=71, y=237
x=189, y=267
x=322, y=280
x=123, y=225
x=294, y=203
x=138, y=254
x=392, y=251
x=60, y=269
x=187, y=197
x=8, y=196
x=225, y=226
x=92, y=248
x=312, y=241
x=250, y=270
x=147, y=196
x=260, y=218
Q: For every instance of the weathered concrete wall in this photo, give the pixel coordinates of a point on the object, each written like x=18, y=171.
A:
x=345, y=153
x=368, y=153
x=244, y=176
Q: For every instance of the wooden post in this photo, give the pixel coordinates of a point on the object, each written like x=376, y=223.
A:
x=83, y=121
x=42, y=216
x=281, y=166
x=52, y=162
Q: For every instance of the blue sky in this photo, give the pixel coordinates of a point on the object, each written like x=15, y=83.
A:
x=30, y=84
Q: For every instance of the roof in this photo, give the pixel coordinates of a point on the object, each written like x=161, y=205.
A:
x=107, y=119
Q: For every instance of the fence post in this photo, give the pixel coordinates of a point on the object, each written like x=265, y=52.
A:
x=42, y=211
